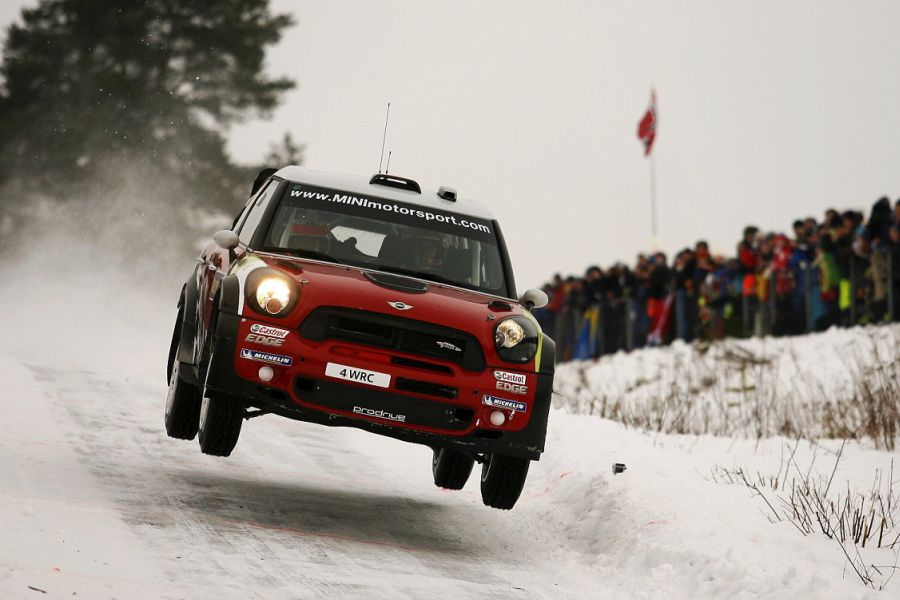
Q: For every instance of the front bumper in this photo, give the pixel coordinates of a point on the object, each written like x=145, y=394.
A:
x=302, y=391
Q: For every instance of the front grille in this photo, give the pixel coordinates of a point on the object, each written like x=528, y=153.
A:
x=418, y=364
x=440, y=346
x=425, y=388
x=386, y=407
x=357, y=330
x=396, y=333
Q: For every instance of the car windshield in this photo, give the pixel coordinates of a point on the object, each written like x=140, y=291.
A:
x=387, y=235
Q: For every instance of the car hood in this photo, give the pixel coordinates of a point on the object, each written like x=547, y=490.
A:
x=345, y=286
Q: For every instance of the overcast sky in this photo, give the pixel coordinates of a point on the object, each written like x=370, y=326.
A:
x=769, y=110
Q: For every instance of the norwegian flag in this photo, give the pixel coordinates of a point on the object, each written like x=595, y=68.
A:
x=646, y=131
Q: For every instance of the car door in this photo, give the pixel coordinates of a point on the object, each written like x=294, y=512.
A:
x=215, y=261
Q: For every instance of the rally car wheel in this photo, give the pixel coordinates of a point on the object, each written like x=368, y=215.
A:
x=451, y=469
x=220, y=425
x=502, y=480
x=182, y=406
x=183, y=399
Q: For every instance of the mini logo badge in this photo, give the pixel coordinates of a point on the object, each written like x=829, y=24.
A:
x=449, y=346
x=400, y=305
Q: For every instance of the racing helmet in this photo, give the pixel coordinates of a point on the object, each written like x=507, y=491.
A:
x=430, y=250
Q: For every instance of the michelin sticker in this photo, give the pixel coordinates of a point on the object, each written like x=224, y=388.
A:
x=503, y=403
x=275, y=359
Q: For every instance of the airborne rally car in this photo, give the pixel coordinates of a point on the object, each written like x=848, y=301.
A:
x=372, y=304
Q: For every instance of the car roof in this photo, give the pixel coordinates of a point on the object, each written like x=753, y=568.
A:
x=360, y=185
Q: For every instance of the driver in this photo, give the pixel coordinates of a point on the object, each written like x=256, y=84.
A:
x=429, y=251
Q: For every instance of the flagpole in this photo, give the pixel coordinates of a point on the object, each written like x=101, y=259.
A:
x=653, y=201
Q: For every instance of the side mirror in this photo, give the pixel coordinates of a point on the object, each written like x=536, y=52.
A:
x=533, y=299
x=226, y=239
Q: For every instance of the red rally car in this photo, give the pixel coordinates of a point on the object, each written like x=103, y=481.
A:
x=371, y=304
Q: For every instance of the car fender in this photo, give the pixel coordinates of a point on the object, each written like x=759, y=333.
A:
x=187, y=348
x=548, y=356
x=230, y=294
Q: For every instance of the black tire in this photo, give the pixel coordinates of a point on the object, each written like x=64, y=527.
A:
x=451, y=469
x=220, y=425
x=182, y=415
x=502, y=480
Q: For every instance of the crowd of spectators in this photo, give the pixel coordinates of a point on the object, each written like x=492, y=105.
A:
x=841, y=270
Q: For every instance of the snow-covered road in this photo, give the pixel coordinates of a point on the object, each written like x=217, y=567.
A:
x=96, y=502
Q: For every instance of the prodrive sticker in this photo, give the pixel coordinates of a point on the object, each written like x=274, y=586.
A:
x=266, y=357
x=381, y=414
x=504, y=403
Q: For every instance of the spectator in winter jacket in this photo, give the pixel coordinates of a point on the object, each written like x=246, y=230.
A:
x=704, y=263
x=802, y=255
x=641, y=276
x=829, y=282
x=715, y=297
x=658, y=290
x=685, y=294
x=876, y=240
x=747, y=249
x=783, y=275
x=895, y=264
x=748, y=259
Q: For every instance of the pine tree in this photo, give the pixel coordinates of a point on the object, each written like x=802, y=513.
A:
x=286, y=152
x=93, y=84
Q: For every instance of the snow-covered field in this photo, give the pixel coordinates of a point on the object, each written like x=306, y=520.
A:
x=96, y=502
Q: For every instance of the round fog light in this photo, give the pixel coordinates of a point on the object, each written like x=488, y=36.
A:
x=274, y=306
x=498, y=418
x=266, y=373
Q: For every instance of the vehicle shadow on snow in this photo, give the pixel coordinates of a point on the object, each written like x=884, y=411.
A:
x=302, y=509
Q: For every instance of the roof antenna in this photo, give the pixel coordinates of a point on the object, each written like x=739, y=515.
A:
x=384, y=138
x=388, y=166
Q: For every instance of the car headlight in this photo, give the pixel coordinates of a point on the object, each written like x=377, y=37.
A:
x=516, y=339
x=508, y=334
x=271, y=293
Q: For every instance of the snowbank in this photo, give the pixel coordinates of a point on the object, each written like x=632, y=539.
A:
x=837, y=384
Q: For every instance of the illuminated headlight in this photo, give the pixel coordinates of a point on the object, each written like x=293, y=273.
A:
x=271, y=293
x=516, y=339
